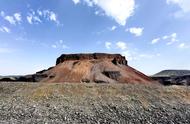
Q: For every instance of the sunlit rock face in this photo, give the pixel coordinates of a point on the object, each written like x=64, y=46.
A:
x=96, y=67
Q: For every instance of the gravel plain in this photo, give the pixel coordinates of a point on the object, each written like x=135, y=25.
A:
x=42, y=103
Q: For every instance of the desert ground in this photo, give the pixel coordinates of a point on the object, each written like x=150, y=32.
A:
x=43, y=103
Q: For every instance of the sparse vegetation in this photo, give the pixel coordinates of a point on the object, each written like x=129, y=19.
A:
x=93, y=103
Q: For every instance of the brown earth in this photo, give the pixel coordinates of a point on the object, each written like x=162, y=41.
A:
x=97, y=67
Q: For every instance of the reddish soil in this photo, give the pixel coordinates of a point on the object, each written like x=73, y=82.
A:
x=98, y=68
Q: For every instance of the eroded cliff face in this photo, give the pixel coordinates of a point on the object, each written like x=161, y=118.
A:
x=116, y=58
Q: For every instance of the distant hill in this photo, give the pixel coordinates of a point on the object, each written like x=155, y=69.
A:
x=173, y=77
x=9, y=78
x=169, y=73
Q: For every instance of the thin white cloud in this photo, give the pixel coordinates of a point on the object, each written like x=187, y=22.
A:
x=59, y=45
x=5, y=29
x=148, y=56
x=50, y=15
x=121, y=45
x=169, y=39
x=40, y=13
x=10, y=19
x=36, y=17
x=29, y=19
x=76, y=1
x=18, y=17
x=89, y=2
x=60, y=41
x=2, y=13
x=97, y=13
x=128, y=55
x=113, y=28
x=183, y=4
x=108, y=45
x=165, y=37
x=65, y=46
x=123, y=49
x=137, y=31
x=156, y=40
x=183, y=46
x=119, y=10
x=33, y=17
x=172, y=38
x=132, y=55
x=45, y=13
x=135, y=56
x=54, y=46
x=14, y=19
x=53, y=17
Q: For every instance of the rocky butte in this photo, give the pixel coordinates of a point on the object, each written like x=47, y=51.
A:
x=96, y=67
x=117, y=58
x=87, y=68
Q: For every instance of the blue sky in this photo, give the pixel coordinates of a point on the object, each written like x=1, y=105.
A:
x=153, y=35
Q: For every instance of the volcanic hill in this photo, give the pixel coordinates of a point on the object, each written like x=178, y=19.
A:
x=97, y=67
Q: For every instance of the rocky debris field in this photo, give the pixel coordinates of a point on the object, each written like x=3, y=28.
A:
x=42, y=103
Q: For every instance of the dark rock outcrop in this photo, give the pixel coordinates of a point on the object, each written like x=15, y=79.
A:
x=112, y=74
x=32, y=78
x=7, y=79
x=116, y=58
x=27, y=78
x=173, y=77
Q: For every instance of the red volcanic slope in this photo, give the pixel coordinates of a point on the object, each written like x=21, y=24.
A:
x=97, y=67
